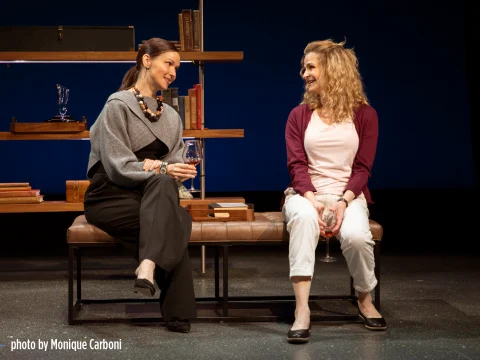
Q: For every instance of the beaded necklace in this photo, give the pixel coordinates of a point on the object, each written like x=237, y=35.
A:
x=143, y=105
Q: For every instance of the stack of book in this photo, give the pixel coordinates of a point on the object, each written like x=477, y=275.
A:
x=189, y=107
x=189, y=31
x=19, y=193
x=222, y=209
x=190, y=28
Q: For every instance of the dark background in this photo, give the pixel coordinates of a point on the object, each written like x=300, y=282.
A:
x=415, y=59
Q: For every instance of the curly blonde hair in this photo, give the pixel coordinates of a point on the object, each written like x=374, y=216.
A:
x=341, y=90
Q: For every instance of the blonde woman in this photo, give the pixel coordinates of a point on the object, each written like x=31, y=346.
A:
x=331, y=140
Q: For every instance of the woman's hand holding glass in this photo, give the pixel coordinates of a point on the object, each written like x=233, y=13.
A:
x=181, y=171
x=338, y=209
x=178, y=171
x=317, y=205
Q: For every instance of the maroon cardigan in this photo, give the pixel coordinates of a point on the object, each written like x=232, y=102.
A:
x=366, y=124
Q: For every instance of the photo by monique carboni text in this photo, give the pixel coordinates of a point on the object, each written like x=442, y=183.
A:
x=71, y=345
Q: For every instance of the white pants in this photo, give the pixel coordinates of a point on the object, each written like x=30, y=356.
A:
x=355, y=237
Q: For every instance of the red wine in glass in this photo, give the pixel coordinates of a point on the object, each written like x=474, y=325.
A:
x=329, y=217
x=192, y=155
x=192, y=161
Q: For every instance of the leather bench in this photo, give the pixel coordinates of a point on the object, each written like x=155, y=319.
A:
x=267, y=228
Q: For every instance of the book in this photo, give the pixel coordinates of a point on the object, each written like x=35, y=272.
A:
x=19, y=193
x=219, y=215
x=187, y=19
x=167, y=97
x=228, y=206
x=192, y=95
x=174, y=95
x=196, y=25
x=186, y=105
x=22, y=200
x=4, y=185
x=198, y=91
x=76, y=189
x=181, y=32
x=15, y=188
x=181, y=109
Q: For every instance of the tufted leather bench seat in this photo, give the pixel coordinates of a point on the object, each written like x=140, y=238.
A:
x=267, y=228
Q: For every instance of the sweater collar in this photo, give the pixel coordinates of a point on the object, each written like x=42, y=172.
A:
x=129, y=98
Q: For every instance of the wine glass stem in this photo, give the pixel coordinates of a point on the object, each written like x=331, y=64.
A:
x=327, y=240
x=192, y=187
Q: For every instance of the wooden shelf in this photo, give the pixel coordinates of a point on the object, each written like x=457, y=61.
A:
x=63, y=206
x=44, y=136
x=214, y=134
x=204, y=134
x=46, y=206
x=111, y=56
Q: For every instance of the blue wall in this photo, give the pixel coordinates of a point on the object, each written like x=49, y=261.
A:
x=412, y=58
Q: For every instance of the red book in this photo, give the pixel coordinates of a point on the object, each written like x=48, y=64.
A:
x=192, y=95
x=198, y=90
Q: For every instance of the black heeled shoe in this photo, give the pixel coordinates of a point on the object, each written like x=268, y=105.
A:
x=181, y=326
x=300, y=336
x=373, y=323
x=144, y=287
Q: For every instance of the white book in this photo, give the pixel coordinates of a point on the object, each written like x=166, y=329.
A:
x=223, y=205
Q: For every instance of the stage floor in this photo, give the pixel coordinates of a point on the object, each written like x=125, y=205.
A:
x=430, y=302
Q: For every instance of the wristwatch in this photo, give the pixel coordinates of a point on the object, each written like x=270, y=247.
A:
x=342, y=199
x=163, y=167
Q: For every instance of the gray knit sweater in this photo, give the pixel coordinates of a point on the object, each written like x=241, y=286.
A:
x=121, y=129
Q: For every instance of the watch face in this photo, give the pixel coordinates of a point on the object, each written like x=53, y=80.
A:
x=163, y=168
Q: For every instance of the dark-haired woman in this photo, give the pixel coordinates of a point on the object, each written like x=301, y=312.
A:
x=135, y=160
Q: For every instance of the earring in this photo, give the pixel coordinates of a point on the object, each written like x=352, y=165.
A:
x=148, y=68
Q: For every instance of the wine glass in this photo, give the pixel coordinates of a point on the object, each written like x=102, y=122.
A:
x=192, y=155
x=329, y=217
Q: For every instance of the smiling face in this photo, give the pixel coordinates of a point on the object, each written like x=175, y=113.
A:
x=162, y=70
x=311, y=72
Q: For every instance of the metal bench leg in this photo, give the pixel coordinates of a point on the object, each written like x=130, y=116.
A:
x=225, y=280
x=376, y=252
x=71, y=254
x=203, y=259
x=217, y=275
x=79, y=274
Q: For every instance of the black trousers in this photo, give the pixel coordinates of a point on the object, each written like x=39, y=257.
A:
x=151, y=219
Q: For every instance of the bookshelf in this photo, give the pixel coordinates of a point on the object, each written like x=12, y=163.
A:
x=198, y=57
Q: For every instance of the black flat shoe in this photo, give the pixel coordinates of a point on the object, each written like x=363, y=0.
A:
x=300, y=336
x=181, y=326
x=373, y=323
x=144, y=287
